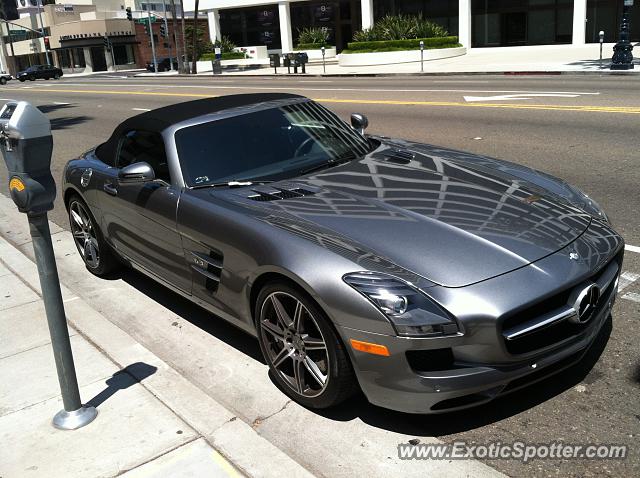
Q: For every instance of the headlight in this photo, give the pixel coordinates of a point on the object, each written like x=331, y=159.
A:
x=410, y=311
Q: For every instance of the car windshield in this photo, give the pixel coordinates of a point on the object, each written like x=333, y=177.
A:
x=273, y=144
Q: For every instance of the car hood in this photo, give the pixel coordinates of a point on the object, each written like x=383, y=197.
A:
x=445, y=215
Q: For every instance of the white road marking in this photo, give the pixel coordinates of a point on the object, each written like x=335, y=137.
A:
x=519, y=97
x=373, y=90
x=626, y=279
x=633, y=296
x=629, y=248
x=141, y=109
x=60, y=103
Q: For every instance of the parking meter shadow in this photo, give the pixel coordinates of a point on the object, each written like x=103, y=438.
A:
x=121, y=380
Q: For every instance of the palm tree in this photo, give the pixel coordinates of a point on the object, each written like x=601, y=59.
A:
x=194, y=40
x=179, y=49
x=184, y=38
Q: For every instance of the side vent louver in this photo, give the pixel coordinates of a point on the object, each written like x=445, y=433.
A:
x=210, y=267
x=279, y=194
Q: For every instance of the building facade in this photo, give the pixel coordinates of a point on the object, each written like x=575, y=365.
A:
x=478, y=23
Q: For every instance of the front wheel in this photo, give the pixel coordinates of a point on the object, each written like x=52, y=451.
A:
x=21, y=80
x=56, y=76
x=303, y=352
x=95, y=252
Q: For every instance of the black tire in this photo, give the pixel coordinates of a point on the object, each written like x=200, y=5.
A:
x=56, y=76
x=46, y=78
x=21, y=80
x=340, y=381
x=107, y=261
x=32, y=78
x=3, y=81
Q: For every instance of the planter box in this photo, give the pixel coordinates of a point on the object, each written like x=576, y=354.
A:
x=394, y=57
x=317, y=54
x=254, y=52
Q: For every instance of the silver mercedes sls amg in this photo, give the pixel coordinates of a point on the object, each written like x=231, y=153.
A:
x=431, y=280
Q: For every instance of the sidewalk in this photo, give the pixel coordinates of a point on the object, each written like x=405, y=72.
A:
x=555, y=59
x=151, y=422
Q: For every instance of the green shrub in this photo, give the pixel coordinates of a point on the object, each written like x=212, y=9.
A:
x=313, y=36
x=311, y=46
x=227, y=55
x=225, y=44
x=400, y=27
x=399, y=45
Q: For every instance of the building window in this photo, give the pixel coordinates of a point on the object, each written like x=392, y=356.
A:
x=606, y=15
x=253, y=26
x=339, y=18
x=442, y=12
x=123, y=55
x=71, y=58
x=521, y=22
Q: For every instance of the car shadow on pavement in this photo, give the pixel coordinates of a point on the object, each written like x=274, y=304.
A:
x=194, y=314
x=476, y=417
x=63, y=122
x=121, y=380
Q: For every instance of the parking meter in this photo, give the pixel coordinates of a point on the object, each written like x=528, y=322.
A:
x=422, y=55
x=27, y=144
x=601, y=35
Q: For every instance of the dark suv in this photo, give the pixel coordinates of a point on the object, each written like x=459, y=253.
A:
x=164, y=64
x=40, y=71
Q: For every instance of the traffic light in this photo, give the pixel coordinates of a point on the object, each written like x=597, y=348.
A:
x=129, y=14
x=9, y=10
x=163, y=30
x=47, y=45
x=147, y=30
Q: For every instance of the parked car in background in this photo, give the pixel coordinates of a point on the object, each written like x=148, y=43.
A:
x=4, y=77
x=44, y=72
x=164, y=64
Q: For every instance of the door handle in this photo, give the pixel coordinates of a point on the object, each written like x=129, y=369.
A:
x=110, y=189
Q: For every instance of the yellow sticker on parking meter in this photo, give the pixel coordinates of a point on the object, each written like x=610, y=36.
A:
x=17, y=184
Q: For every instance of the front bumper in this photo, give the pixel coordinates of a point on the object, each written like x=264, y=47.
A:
x=391, y=382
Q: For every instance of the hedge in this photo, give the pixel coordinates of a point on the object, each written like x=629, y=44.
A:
x=400, y=45
x=311, y=46
x=229, y=55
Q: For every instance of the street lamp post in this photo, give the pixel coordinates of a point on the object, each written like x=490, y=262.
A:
x=46, y=52
x=622, y=56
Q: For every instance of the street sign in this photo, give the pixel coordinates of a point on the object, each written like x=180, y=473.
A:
x=146, y=20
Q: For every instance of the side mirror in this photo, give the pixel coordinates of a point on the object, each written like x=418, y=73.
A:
x=359, y=122
x=136, y=173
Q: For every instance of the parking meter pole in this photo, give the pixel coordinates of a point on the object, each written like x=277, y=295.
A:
x=324, y=69
x=26, y=145
x=421, y=56
x=74, y=415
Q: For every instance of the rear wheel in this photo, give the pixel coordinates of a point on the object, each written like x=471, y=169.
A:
x=32, y=78
x=3, y=80
x=95, y=252
x=303, y=352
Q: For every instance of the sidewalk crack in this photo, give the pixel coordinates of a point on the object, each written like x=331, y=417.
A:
x=261, y=419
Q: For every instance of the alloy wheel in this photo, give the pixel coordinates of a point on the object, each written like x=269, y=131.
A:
x=294, y=343
x=84, y=234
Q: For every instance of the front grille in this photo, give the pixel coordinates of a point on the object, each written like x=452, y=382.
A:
x=556, y=332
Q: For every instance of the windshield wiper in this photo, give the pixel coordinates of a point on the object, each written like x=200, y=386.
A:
x=329, y=164
x=229, y=184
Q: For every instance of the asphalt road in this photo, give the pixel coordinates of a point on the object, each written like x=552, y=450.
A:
x=581, y=128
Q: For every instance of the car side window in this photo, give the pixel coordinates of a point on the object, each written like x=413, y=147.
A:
x=144, y=146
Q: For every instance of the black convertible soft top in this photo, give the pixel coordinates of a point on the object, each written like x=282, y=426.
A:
x=161, y=118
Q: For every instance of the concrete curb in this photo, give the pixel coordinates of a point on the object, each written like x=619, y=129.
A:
x=229, y=435
x=425, y=74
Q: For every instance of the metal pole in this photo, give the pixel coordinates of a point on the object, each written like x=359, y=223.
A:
x=324, y=69
x=166, y=28
x=74, y=414
x=46, y=52
x=601, y=36
x=421, y=56
x=153, y=44
x=623, y=57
